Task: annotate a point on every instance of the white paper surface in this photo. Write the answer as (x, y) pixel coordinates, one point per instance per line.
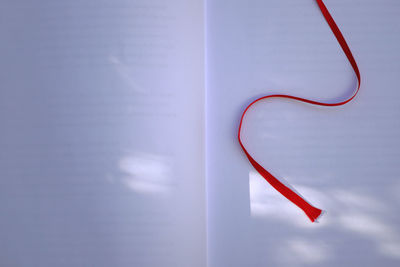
(102, 133)
(343, 160)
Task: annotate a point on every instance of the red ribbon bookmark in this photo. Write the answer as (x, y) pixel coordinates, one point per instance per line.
(312, 212)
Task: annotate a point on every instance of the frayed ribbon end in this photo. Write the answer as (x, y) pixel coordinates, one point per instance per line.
(315, 214)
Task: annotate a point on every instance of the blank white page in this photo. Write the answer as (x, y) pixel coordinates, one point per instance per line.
(102, 133)
(344, 160)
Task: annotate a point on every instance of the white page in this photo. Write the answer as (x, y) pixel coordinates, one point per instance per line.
(343, 160)
(102, 133)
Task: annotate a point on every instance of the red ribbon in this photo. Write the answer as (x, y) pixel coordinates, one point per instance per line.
(312, 212)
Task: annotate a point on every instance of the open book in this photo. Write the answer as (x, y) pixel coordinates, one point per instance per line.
(118, 143)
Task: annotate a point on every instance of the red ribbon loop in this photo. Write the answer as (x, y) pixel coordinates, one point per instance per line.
(312, 212)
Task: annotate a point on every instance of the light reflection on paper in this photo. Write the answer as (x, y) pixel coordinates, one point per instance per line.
(359, 214)
(390, 249)
(356, 200)
(126, 74)
(302, 251)
(265, 201)
(146, 173)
